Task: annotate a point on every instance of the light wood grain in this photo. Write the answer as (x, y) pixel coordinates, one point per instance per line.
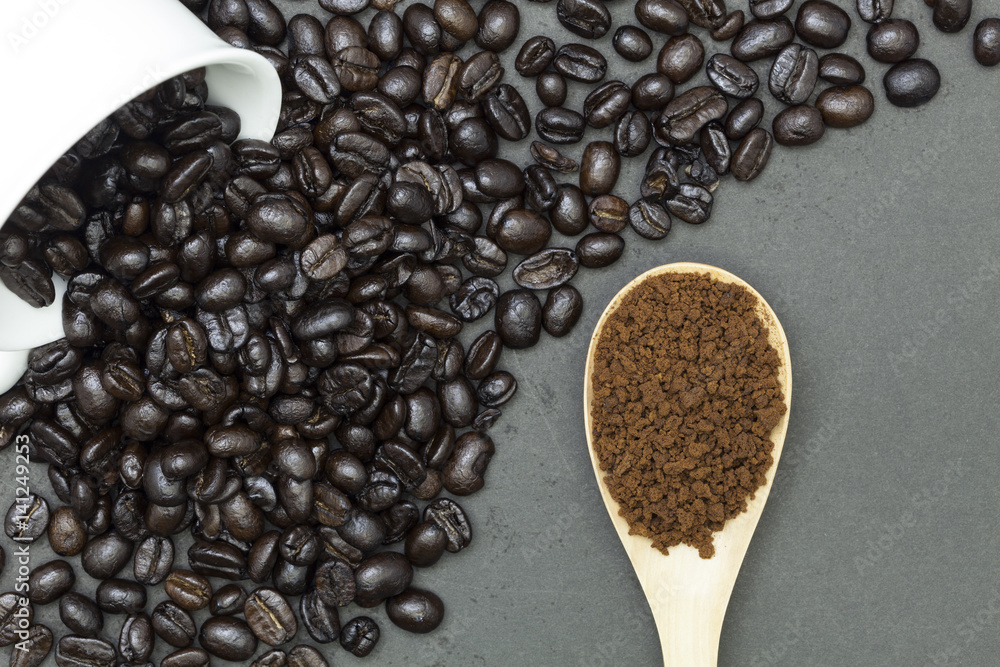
(687, 594)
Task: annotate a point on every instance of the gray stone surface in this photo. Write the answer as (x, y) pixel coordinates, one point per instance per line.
(877, 248)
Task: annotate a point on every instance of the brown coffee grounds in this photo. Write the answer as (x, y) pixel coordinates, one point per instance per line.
(686, 395)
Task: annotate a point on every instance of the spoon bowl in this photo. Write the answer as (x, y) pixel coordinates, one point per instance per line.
(687, 594)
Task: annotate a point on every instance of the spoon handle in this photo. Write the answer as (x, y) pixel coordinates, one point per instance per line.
(688, 639)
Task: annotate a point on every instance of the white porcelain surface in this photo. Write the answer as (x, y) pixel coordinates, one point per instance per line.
(67, 64)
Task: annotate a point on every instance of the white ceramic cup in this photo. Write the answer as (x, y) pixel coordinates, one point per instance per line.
(65, 65)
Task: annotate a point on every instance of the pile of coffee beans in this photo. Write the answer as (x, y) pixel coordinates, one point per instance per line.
(266, 343)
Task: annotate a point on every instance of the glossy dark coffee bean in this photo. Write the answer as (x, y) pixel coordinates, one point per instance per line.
(499, 23)
(50, 581)
(81, 614)
(874, 11)
(67, 534)
(381, 576)
(523, 231)
(649, 220)
(651, 92)
(798, 126)
(692, 204)
(479, 75)
(823, 24)
(632, 43)
(685, 115)
(752, 154)
(464, 471)
(769, 9)
(27, 518)
(587, 18)
(743, 118)
(228, 600)
(173, 624)
(546, 269)
(305, 655)
(518, 318)
(608, 213)
(599, 168)
(911, 83)
(14, 609)
(793, 74)
(153, 559)
(507, 113)
(321, 621)
(579, 62)
(217, 559)
(535, 56)
(79, 651)
(416, 610)
(951, 15)
(599, 249)
(845, 106)
(606, 103)
(457, 19)
(664, 16)
(121, 596)
(633, 133)
(892, 40)
(227, 638)
(106, 555)
(191, 591)
(135, 641)
(762, 38)
(841, 69)
(986, 42)
(270, 617)
(187, 657)
(562, 310)
(681, 58)
(34, 648)
(731, 76)
(360, 635)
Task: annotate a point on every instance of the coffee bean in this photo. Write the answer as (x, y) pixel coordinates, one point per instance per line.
(911, 83)
(823, 24)
(80, 614)
(121, 596)
(681, 58)
(416, 610)
(632, 43)
(321, 620)
(189, 590)
(579, 62)
(599, 249)
(228, 638)
(986, 42)
(228, 600)
(685, 115)
(664, 16)
(50, 581)
(793, 74)
(731, 76)
(841, 69)
(874, 11)
(798, 126)
(535, 55)
(360, 636)
(892, 40)
(269, 616)
(587, 18)
(599, 168)
(951, 15)
(845, 106)
(751, 156)
(76, 651)
(518, 318)
(187, 657)
(762, 38)
(499, 23)
(304, 655)
(34, 649)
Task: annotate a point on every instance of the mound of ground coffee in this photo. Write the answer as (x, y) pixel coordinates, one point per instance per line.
(686, 393)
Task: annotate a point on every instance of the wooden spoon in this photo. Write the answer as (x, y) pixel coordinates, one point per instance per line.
(687, 594)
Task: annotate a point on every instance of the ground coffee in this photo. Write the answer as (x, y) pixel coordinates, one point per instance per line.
(686, 393)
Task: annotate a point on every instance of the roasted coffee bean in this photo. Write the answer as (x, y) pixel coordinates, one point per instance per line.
(50, 581)
(608, 213)
(715, 147)
(633, 133)
(651, 92)
(507, 113)
(228, 638)
(121, 596)
(684, 116)
(153, 559)
(67, 535)
(457, 18)
(551, 89)
(450, 518)
(522, 231)
(356, 68)
(793, 74)
(479, 75)
(579, 62)
(841, 69)
(599, 249)
(892, 40)
(744, 117)
(691, 203)
(606, 103)
(187, 657)
(77, 651)
(562, 309)
(911, 83)
(751, 156)
(986, 42)
(762, 38)
(474, 298)
(81, 614)
(546, 269)
(217, 559)
(322, 621)
(269, 616)
(823, 24)
(535, 55)
(381, 576)
(499, 23)
(599, 168)
(845, 106)
(173, 624)
(189, 590)
(106, 555)
(769, 9)
(649, 220)
(587, 18)
(632, 43)
(135, 641)
(305, 655)
(798, 126)
(951, 15)
(729, 27)
(664, 16)
(32, 649)
(360, 636)
(228, 600)
(13, 609)
(27, 518)
(518, 318)
(416, 610)
(681, 58)
(874, 11)
(731, 76)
